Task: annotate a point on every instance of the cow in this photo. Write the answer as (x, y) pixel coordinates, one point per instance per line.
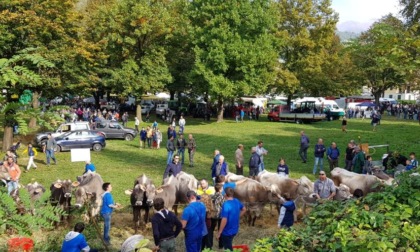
(167, 192)
(184, 182)
(342, 193)
(139, 199)
(89, 191)
(232, 177)
(302, 186)
(378, 172)
(35, 190)
(254, 196)
(61, 192)
(366, 183)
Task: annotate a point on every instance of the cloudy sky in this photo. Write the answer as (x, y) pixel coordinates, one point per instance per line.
(358, 15)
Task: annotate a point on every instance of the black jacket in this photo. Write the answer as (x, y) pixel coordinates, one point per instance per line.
(163, 228)
(254, 161)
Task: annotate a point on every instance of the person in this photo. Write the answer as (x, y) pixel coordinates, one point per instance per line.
(170, 147)
(349, 156)
(149, 136)
(194, 223)
(254, 163)
(89, 167)
(231, 212)
(239, 157)
(166, 227)
(333, 153)
(136, 123)
(282, 168)
(286, 218)
(143, 137)
(181, 124)
(204, 188)
(217, 199)
(413, 160)
(324, 187)
(155, 125)
(181, 144)
(75, 241)
(358, 160)
(319, 155)
(158, 138)
(107, 208)
(344, 124)
(171, 132)
(261, 152)
(173, 168)
(124, 119)
(49, 148)
(14, 172)
(221, 168)
(375, 121)
(304, 145)
(10, 154)
(31, 153)
(242, 114)
(191, 149)
(367, 168)
(408, 165)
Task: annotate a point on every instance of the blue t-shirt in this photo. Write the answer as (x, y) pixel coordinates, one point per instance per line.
(231, 210)
(107, 200)
(74, 245)
(195, 215)
(228, 185)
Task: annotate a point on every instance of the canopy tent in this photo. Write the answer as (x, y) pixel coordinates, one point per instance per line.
(366, 104)
(163, 95)
(151, 97)
(276, 102)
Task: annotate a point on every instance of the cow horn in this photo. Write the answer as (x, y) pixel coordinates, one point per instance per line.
(142, 187)
(128, 192)
(75, 183)
(159, 190)
(30, 184)
(57, 185)
(38, 190)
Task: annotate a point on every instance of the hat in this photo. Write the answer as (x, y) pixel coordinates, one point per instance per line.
(191, 193)
(357, 148)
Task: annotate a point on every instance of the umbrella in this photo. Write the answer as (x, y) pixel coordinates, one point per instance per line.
(276, 102)
(366, 104)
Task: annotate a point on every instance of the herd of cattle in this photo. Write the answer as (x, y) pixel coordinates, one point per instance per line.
(267, 188)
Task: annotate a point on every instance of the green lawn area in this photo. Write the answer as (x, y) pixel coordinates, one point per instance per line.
(121, 161)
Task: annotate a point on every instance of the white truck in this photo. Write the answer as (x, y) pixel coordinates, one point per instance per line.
(41, 138)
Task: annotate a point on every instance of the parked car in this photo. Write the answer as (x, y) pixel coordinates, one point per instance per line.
(160, 108)
(41, 138)
(146, 108)
(113, 129)
(80, 139)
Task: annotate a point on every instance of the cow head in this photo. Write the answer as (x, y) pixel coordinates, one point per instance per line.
(274, 194)
(138, 195)
(66, 186)
(84, 196)
(306, 186)
(35, 190)
(343, 192)
(150, 194)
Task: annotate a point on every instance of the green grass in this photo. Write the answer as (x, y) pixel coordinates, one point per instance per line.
(121, 161)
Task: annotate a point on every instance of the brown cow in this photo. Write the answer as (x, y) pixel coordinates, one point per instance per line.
(184, 182)
(167, 192)
(254, 196)
(366, 183)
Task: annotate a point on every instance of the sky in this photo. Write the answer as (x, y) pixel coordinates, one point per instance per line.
(358, 15)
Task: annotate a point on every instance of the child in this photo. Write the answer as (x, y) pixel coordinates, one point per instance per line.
(283, 169)
(286, 218)
(409, 166)
(31, 153)
(413, 160)
(344, 124)
(367, 168)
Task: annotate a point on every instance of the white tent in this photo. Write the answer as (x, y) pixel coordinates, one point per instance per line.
(163, 95)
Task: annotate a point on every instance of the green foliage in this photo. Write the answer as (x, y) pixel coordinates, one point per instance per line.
(31, 217)
(383, 221)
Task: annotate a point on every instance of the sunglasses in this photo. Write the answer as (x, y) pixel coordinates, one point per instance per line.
(322, 174)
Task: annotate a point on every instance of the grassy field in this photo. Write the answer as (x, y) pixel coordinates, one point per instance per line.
(121, 162)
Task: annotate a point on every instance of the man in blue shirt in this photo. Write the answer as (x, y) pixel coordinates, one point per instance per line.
(108, 206)
(231, 212)
(75, 241)
(89, 167)
(194, 223)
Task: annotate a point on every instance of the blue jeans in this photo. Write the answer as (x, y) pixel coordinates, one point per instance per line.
(12, 185)
(169, 159)
(261, 167)
(50, 154)
(107, 226)
(227, 241)
(181, 153)
(320, 161)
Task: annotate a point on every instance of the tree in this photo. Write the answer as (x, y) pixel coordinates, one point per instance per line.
(131, 34)
(411, 11)
(234, 46)
(308, 48)
(381, 57)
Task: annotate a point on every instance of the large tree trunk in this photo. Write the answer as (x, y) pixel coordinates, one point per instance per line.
(220, 110)
(35, 105)
(7, 138)
(138, 112)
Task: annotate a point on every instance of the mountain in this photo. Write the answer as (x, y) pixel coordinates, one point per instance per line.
(346, 35)
(354, 26)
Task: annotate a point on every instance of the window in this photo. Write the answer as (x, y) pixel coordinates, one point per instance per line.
(399, 97)
(390, 96)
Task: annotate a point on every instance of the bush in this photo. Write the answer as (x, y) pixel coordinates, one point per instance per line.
(383, 221)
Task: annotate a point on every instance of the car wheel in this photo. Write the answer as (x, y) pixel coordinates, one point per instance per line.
(128, 137)
(97, 147)
(57, 148)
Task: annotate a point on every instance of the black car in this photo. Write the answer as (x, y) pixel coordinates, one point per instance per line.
(113, 129)
(80, 139)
